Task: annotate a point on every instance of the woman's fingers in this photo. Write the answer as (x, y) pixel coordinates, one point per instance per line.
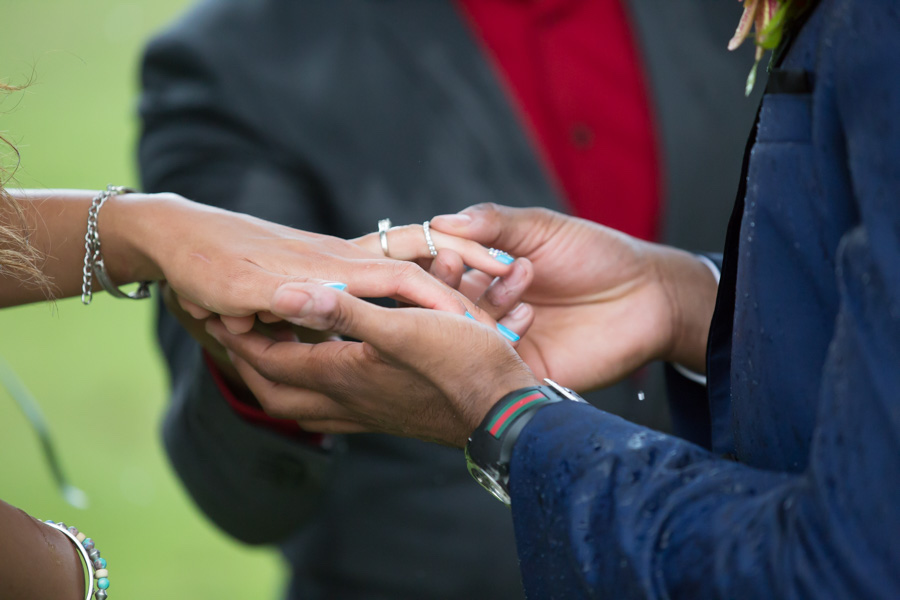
(238, 325)
(409, 243)
(267, 317)
(519, 319)
(448, 267)
(386, 329)
(502, 301)
(290, 299)
(474, 283)
(325, 309)
(366, 278)
(196, 311)
(403, 281)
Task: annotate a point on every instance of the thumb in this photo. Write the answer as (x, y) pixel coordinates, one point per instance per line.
(325, 308)
(515, 230)
(481, 223)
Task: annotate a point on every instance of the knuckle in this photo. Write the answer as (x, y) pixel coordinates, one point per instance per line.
(232, 286)
(339, 373)
(267, 365)
(339, 318)
(407, 270)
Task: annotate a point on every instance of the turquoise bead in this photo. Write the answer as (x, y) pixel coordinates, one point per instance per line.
(88, 544)
(103, 583)
(100, 563)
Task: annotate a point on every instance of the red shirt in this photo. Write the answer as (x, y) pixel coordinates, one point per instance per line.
(573, 73)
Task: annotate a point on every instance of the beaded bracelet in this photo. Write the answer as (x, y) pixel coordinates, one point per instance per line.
(96, 565)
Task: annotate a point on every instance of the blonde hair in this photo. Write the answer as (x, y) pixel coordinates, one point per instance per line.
(18, 258)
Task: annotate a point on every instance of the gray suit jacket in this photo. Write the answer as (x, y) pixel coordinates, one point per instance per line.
(327, 116)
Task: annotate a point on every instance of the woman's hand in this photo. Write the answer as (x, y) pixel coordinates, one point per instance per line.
(217, 261)
(604, 303)
(231, 264)
(420, 373)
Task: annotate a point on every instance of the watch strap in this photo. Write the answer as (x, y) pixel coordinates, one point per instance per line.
(490, 447)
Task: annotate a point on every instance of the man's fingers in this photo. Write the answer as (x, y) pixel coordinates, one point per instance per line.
(483, 223)
(334, 426)
(506, 292)
(275, 361)
(288, 402)
(275, 372)
(517, 230)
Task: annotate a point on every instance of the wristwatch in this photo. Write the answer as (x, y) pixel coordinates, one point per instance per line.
(490, 448)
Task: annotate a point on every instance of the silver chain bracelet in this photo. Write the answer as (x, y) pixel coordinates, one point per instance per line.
(93, 260)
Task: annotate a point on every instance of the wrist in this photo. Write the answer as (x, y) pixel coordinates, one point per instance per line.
(690, 288)
(133, 232)
(489, 399)
(490, 448)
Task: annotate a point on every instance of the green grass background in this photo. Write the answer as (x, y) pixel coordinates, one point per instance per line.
(96, 370)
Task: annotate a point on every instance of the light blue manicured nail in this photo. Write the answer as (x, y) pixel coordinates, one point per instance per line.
(468, 314)
(507, 333)
(337, 285)
(502, 256)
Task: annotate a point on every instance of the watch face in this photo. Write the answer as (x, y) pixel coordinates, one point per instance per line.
(565, 391)
(489, 483)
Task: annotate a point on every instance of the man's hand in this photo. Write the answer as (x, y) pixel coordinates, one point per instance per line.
(420, 373)
(604, 303)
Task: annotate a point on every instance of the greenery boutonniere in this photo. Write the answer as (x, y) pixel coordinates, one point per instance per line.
(768, 19)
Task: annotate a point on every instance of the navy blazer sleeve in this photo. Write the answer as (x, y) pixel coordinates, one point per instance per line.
(607, 509)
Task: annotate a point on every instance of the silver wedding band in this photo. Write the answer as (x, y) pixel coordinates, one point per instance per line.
(384, 225)
(426, 226)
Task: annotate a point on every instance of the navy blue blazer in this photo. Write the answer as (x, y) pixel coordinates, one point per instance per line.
(804, 381)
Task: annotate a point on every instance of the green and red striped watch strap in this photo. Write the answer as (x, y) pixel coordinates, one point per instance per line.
(490, 448)
(513, 408)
